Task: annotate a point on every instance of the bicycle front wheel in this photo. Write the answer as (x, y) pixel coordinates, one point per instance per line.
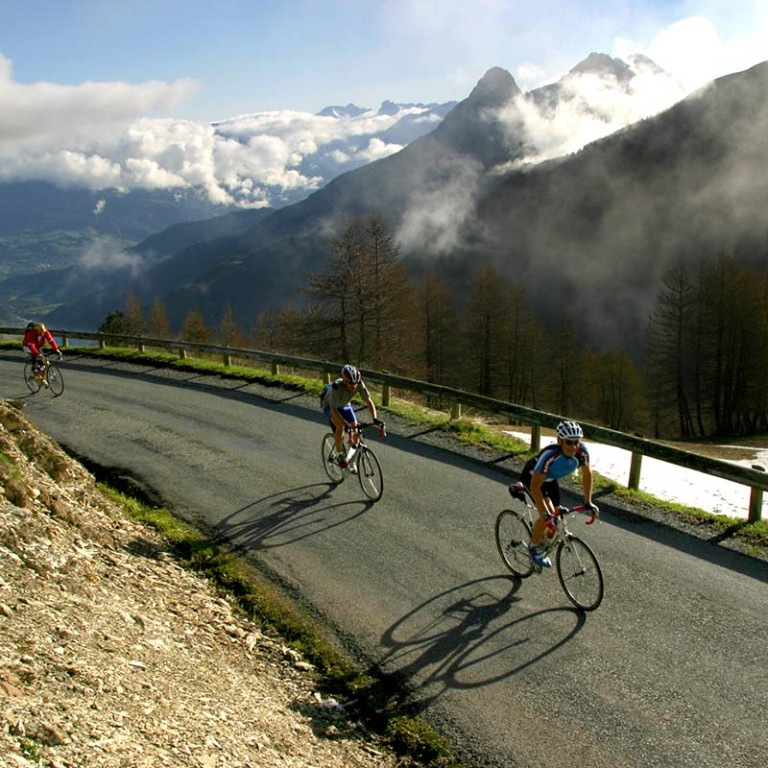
(369, 472)
(55, 380)
(513, 534)
(579, 573)
(31, 378)
(328, 455)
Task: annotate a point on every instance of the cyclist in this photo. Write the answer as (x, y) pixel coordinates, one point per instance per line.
(541, 473)
(335, 401)
(36, 336)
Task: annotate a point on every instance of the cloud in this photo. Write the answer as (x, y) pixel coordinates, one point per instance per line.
(95, 135)
(101, 256)
(695, 53)
(590, 107)
(435, 215)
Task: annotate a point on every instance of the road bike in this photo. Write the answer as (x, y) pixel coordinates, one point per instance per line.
(361, 460)
(44, 375)
(577, 567)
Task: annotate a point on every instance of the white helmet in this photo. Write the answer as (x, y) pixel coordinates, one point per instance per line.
(569, 429)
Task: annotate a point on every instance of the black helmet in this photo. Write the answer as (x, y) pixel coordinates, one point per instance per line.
(351, 374)
(30, 326)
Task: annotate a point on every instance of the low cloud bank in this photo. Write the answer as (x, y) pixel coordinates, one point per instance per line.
(95, 135)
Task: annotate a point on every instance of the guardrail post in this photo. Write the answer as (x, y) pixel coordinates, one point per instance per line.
(386, 395)
(756, 500)
(64, 342)
(535, 437)
(141, 346)
(275, 369)
(634, 471)
(182, 354)
(102, 344)
(227, 359)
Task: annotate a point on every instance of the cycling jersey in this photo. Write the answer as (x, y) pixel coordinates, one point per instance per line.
(34, 341)
(553, 463)
(337, 394)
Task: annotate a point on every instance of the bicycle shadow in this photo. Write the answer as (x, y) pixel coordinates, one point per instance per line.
(463, 638)
(288, 517)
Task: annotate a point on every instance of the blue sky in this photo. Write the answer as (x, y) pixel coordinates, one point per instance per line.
(121, 93)
(232, 57)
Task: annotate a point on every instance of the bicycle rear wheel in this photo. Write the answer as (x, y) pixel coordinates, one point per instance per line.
(579, 573)
(369, 472)
(31, 379)
(513, 534)
(328, 455)
(55, 380)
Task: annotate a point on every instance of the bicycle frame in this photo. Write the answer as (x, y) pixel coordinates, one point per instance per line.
(521, 492)
(358, 430)
(360, 460)
(577, 567)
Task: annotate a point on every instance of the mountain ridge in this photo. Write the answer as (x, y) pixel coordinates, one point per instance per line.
(551, 223)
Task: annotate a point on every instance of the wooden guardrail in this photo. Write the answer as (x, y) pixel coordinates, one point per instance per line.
(755, 478)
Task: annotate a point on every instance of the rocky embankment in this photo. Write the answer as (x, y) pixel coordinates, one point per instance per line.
(112, 655)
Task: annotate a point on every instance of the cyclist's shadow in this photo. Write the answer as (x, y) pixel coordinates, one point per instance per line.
(463, 638)
(288, 517)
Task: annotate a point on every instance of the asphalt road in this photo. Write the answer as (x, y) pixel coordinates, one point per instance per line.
(670, 670)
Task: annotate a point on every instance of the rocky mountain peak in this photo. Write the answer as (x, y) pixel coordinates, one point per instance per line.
(495, 88)
(602, 64)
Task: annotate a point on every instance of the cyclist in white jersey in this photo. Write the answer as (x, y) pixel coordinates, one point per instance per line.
(335, 401)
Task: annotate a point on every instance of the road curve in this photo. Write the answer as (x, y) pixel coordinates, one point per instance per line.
(670, 671)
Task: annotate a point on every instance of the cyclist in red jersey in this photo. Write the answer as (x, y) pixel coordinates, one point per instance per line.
(36, 337)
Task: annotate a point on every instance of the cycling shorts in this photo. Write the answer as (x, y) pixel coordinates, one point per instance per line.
(346, 411)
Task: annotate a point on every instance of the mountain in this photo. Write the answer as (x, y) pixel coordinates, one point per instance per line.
(267, 264)
(338, 139)
(63, 231)
(40, 207)
(593, 231)
(601, 228)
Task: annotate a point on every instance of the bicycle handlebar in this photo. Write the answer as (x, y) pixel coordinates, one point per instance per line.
(361, 425)
(583, 508)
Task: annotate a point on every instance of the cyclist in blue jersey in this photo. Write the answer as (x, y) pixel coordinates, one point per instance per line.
(335, 401)
(541, 473)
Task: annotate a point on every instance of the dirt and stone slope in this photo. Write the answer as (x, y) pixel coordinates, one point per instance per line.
(113, 655)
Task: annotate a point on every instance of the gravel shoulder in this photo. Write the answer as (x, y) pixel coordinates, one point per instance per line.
(114, 656)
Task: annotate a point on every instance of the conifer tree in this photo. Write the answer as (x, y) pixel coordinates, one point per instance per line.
(194, 329)
(134, 316)
(159, 326)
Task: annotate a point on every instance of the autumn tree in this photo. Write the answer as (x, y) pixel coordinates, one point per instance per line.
(231, 333)
(437, 330)
(194, 329)
(159, 326)
(565, 367)
(114, 323)
(135, 322)
(616, 390)
(671, 362)
(484, 318)
(524, 352)
(362, 302)
(734, 339)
